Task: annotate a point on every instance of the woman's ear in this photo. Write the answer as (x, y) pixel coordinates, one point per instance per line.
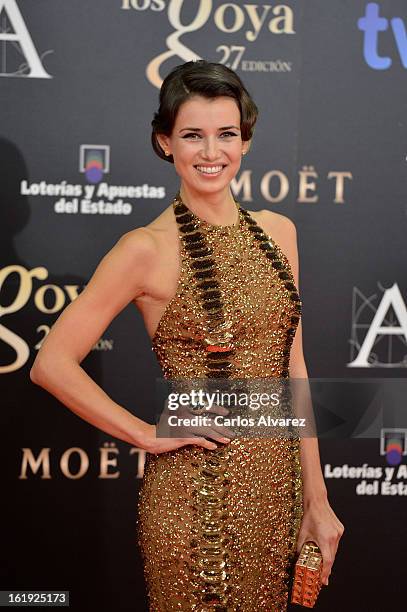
(164, 143)
(246, 144)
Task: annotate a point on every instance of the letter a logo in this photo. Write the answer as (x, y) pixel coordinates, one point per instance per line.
(384, 326)
(14, 31)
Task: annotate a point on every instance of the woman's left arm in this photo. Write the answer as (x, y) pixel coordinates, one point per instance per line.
(319, 522)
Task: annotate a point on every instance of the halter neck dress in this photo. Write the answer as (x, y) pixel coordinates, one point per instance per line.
(217, 529)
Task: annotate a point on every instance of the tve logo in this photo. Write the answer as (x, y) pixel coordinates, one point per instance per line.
(371, 24)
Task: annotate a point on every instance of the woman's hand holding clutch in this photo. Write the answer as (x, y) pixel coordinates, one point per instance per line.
(321, 525)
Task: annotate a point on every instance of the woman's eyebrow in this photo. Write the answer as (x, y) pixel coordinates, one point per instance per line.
(192, 129)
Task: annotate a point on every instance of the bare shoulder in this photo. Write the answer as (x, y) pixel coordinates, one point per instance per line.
(158, 230)
(283, 232)
(156, 247)
(147, 240)
(137, 242)
(130, 259)
(280, 227)
(277, 223)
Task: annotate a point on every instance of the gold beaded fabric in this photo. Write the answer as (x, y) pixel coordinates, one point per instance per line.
(217, 529)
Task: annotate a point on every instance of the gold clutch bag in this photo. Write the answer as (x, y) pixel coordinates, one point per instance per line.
(307, 575)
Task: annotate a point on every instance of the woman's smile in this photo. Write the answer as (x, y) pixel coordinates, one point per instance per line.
(210, 171)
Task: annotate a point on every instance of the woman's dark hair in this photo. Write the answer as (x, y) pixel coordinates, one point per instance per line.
(207, 79)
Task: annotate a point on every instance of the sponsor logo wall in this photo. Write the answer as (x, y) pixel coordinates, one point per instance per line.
(79, 85)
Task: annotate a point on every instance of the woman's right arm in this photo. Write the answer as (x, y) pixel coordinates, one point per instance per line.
(118, 280)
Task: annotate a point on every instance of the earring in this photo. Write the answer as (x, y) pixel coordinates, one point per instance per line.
(167, 153)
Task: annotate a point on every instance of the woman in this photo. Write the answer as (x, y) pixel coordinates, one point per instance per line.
(220, 519)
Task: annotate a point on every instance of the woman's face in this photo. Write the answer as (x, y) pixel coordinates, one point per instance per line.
(206, 143)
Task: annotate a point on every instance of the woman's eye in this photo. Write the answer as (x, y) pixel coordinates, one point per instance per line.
(191, 134)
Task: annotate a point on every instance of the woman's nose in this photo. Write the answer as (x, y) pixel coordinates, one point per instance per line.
(211, 148)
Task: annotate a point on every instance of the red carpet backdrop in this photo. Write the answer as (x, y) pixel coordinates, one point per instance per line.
(79, 84)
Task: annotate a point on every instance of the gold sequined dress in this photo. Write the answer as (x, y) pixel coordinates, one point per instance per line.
(217, 529)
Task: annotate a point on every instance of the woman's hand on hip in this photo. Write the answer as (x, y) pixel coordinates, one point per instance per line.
(195, 434)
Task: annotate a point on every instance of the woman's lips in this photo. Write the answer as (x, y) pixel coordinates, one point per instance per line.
(211, 172)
